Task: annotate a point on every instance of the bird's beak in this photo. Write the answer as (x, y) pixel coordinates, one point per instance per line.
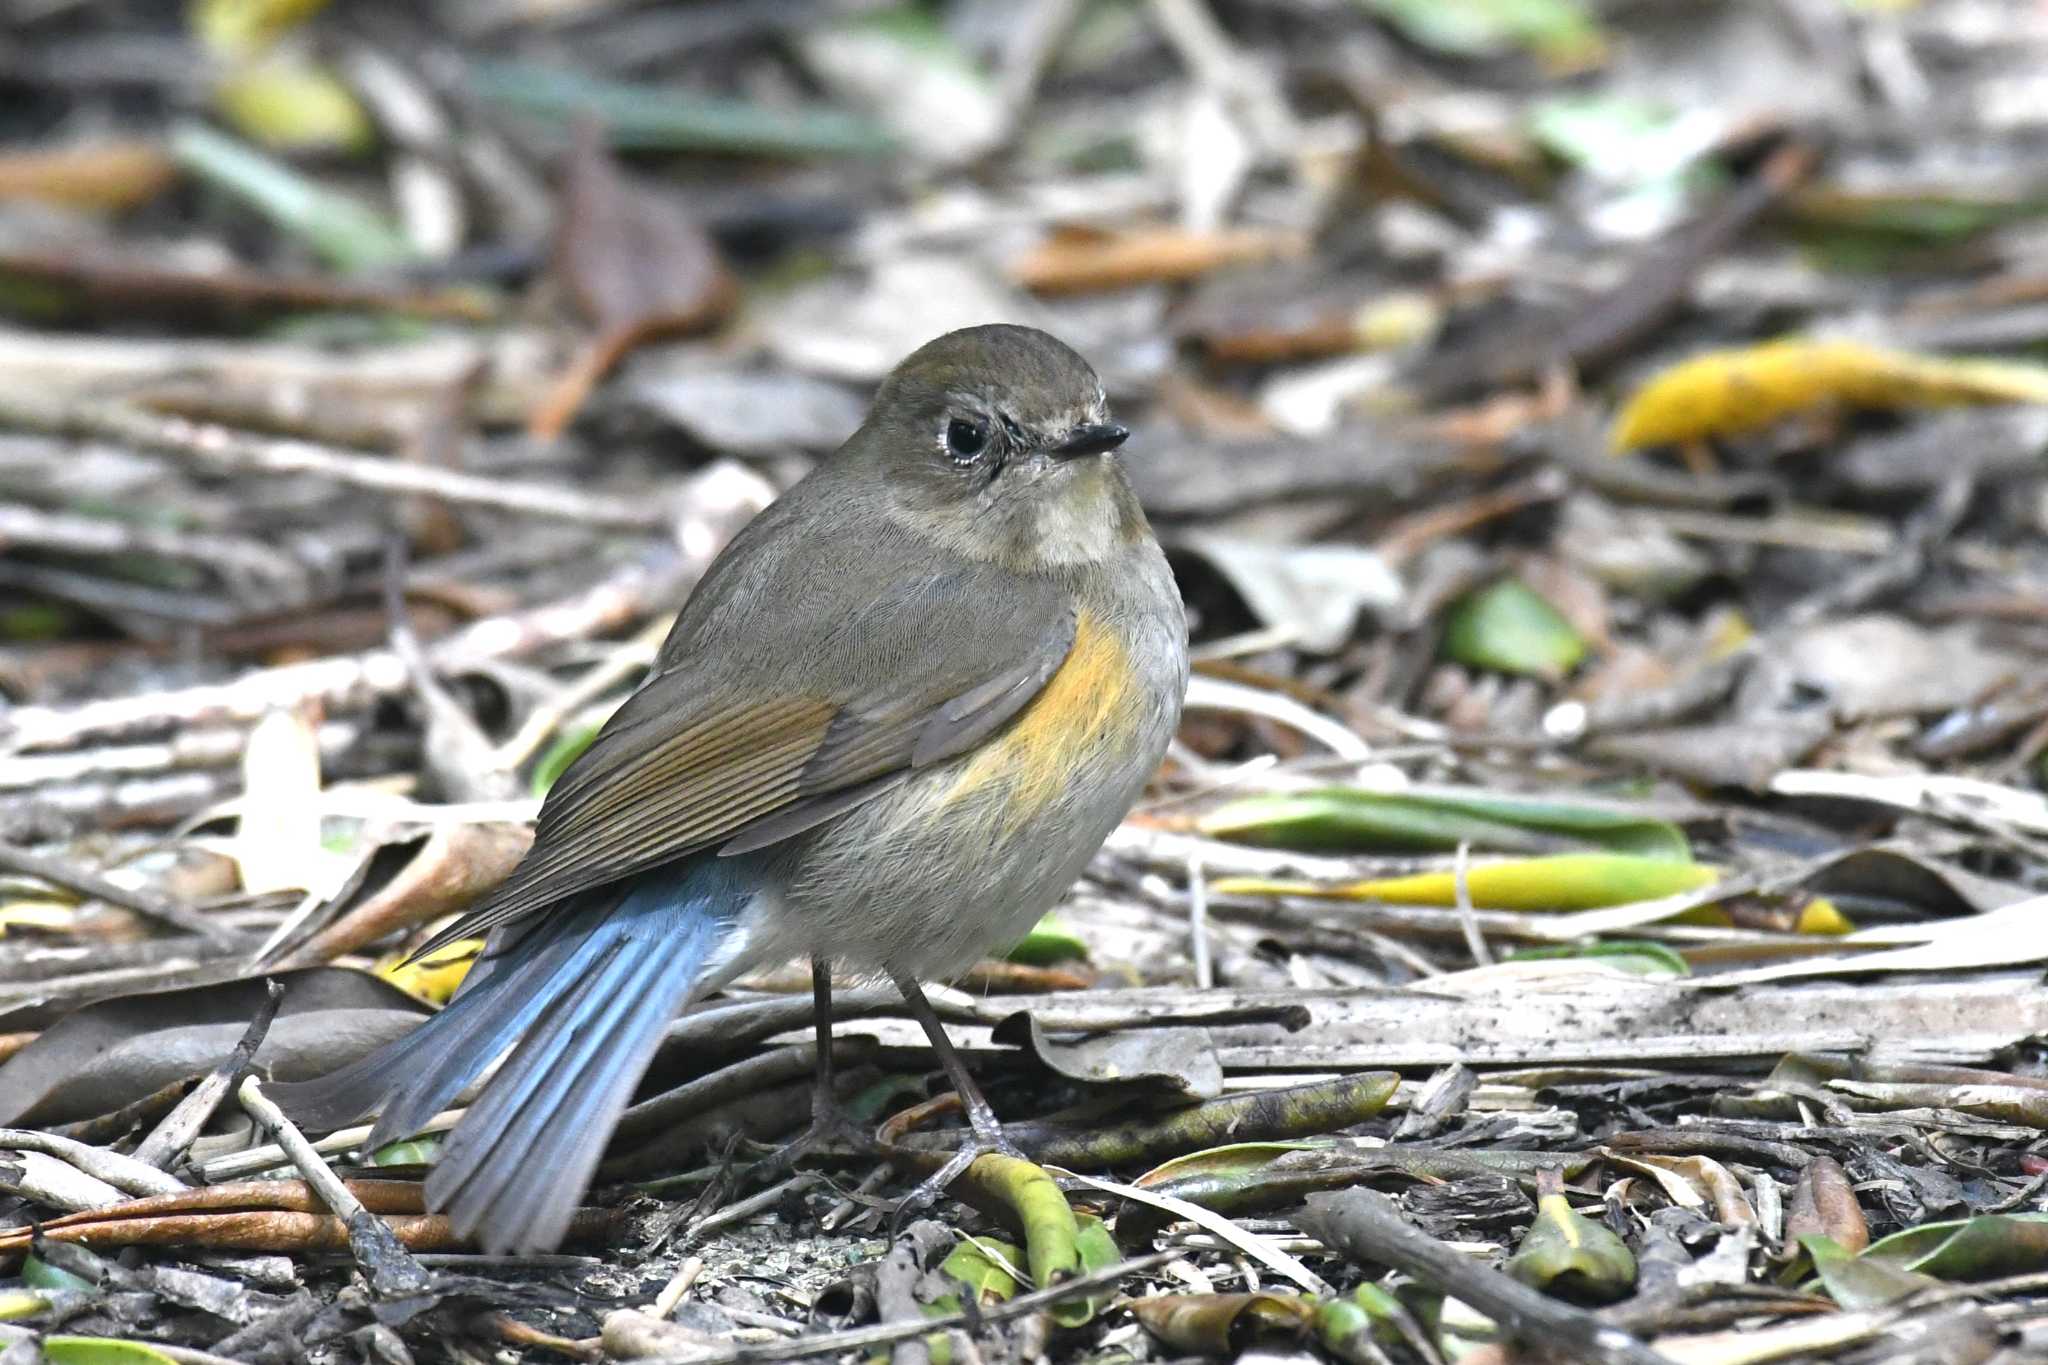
(1093, 438)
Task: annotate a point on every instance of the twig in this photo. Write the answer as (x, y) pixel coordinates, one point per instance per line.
(1251, 1244)
(1468, 915)
(259, 576)
(92, 886)
(884, 1334)
(352, 681)
(169, 1139)
(1366, 1227)
(678, 1285)
(1198, 924)
(219, 449)
(389, 1267)
(124, 1173)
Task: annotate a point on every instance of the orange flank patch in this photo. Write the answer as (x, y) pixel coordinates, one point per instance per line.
(1033, 759)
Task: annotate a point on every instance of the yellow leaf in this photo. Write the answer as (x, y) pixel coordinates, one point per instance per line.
(435, 978)
(1724, 392)
(1564, 881)
(1820, 916)
(35, 914)
(291, 106)
(238, 27)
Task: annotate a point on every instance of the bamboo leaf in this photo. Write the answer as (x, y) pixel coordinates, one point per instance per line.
(1349, 819)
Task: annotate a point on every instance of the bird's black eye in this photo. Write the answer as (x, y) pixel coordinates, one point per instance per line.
(966, 438)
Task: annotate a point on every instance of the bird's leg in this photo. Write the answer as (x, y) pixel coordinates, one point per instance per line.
(988, 1130)
(831, 1125)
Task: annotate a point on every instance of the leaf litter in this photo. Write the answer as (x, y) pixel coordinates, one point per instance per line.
(1592, 904)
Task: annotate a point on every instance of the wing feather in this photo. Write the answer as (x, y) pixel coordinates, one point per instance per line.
(689, 763)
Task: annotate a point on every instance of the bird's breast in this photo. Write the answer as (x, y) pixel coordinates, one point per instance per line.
(1086, 714)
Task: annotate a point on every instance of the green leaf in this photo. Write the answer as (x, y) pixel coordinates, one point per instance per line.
(343, 231)
(1572, 1256)
(101, 1351)
(1982, 1248)
(1049, 942)
(1563, 32)
(1856, 1282)
(423, 1151)
(567, 748)
(1352, 1327)
(659, 118)
(38, 1273)
(1640, 956)
(1506, 626)
(1349, 819)
(1098, 1251)
(984, 1265)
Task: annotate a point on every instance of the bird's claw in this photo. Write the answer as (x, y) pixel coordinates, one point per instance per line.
(832, 1132)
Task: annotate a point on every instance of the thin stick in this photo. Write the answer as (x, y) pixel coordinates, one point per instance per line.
(169, 1139)
(92, 886)
(389, 1267)
(1366, 1228)
(214, 448)
(1461, 881)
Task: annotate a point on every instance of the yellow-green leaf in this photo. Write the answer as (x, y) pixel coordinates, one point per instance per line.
(1224, 1324)
(983, 1264)
(1049, 941)
(1348, 819)
(1507, 626)
(101, 1351)
(1564, 881)
(290, 105)
(1571, 1256)
(1986, 1247)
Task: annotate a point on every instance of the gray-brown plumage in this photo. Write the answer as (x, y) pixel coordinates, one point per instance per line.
(890, 727)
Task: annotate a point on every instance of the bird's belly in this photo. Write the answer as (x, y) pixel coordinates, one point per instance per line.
(962, 859)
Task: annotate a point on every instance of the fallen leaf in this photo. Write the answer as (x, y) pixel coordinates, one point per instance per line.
(1565, 881)
(1570, 1256)
(1727, 392)
(1315, 592)
(1508, 627)
(633, 263)
(95, 175)
(113, 1052)
(1085, 260)
(1351, 819)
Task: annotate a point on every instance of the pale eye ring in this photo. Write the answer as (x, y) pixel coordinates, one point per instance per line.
(966, 438)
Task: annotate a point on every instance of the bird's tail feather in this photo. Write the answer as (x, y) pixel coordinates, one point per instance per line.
(587, 994)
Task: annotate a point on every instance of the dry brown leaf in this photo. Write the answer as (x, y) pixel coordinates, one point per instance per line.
(1078, 260)
(107, 175)
(633, 263)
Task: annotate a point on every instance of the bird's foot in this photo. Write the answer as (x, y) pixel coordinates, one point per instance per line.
(833, 1132)
(986, 1139)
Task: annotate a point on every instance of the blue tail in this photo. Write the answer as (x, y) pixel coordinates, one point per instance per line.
(586, 995)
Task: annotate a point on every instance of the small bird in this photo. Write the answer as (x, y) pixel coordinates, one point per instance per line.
(896, 718)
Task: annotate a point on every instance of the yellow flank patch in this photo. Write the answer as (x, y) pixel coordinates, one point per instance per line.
(1032, 760)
